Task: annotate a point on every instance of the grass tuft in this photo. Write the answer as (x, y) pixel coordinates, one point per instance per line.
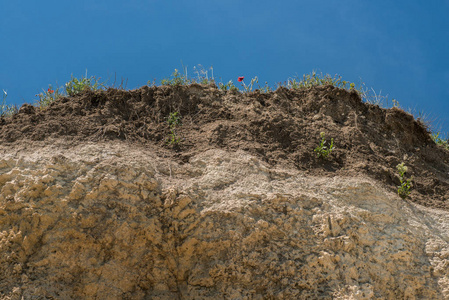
(7, 110)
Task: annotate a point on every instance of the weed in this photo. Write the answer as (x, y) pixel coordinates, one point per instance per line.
(284, 84)
(314, 79)
(249, 87)
(228, 86)
(7, 109)
(122, 85)
(71, 88)
(173, 138)
(439, 141)
(182, 79)
(76, 86)
(177, 79)
(174, 120)
(202, 74)
(422, 117)
(266, 88)
(322, 150)
(48, 96)
(370, 96)
(396, 103)
(406, 184)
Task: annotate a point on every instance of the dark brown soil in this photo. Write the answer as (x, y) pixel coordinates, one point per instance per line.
(282, 128)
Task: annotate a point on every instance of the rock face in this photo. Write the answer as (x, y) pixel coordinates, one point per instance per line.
(108, 221)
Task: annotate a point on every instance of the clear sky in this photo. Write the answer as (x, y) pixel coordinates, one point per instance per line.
(399, 48)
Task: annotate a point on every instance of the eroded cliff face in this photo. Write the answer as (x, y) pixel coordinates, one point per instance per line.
(107, 221)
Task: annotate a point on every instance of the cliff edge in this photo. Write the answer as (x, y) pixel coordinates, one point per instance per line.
(95, 201)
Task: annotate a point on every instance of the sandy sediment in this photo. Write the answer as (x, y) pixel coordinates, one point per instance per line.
(105, 220)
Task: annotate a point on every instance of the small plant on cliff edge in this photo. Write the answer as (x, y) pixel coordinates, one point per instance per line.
(315, 79)
(177, 79)
(248, 88)
(322, 150)
(76, 86)
(7, 109)
(396, 103)
(202, 74)
(48, 96)
(439, 141)
(266, 88)
(406, 183)
(228, 86)
(173, 121)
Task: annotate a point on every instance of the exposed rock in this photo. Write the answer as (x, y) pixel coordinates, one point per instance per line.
(108, 221)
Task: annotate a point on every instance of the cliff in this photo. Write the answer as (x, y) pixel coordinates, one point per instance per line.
(96, 203)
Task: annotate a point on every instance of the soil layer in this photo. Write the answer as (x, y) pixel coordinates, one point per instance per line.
(282, 128)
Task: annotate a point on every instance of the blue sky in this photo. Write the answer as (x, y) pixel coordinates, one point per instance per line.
(399, 48)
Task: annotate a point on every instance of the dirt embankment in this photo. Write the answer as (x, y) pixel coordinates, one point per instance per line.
(282, 128)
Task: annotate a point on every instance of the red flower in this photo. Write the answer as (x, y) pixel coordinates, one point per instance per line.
(240, 79)
(50, 91)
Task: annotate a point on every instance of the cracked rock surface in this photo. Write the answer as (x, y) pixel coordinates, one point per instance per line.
(109, 221)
